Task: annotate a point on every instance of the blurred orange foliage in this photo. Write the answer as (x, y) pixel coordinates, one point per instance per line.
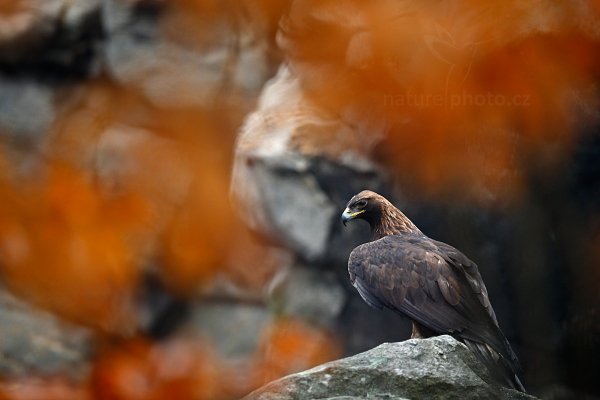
(192, 370)
(43, 389)
(140, 370)
(468, 91)
(201, 233)
(64, 247)
(118, 186)
(121, 184)
(8, 7)
(290, 345)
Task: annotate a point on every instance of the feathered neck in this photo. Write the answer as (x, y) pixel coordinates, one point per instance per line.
(391, 221)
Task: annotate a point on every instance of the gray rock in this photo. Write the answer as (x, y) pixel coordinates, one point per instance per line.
(176, 66)
(297, 201)
(26, 108)
(435, 368)
(234, 328)
(307, 227)
(313, 295)
(295, 168)
(36, 342)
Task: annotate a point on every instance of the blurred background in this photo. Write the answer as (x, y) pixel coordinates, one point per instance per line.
(172, 175)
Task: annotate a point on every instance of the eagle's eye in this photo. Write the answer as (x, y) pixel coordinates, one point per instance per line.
(360, 204)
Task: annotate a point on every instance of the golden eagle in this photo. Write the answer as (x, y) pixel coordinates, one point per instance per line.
(431, 282)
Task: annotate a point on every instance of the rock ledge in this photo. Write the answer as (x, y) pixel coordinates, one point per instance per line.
(435, 368)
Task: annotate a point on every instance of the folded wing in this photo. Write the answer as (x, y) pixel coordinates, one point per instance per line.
(433, 284)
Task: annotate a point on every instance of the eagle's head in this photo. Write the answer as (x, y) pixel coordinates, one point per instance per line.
(382, 216)
(366, 205)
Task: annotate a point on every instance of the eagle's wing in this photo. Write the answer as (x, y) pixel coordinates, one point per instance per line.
(429, 283)
(458, 259)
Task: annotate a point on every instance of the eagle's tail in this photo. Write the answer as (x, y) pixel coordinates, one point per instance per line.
(501, 369)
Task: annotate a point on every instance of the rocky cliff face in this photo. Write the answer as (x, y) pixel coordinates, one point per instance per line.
(435, 368)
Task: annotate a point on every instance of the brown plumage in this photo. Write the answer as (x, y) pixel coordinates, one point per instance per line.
(430, 282)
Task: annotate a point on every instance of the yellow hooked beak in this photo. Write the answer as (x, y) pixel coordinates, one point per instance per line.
(348, 215)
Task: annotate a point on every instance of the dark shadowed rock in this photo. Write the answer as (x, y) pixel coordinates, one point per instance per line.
(436, 368)
(26, 24)
(50, 39)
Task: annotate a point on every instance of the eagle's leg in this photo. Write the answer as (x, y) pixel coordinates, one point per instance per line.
(420, 332)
